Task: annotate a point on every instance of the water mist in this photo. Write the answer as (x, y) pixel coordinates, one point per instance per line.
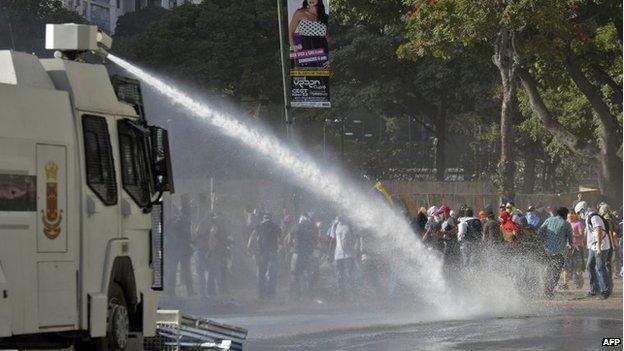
(418, 268)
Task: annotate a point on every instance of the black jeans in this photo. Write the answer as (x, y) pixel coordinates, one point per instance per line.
(267, 274)
(553, 270)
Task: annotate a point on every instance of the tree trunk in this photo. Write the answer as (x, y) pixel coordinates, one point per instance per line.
(504, 59)
(441, 133)
(530, 165)
(610, 179)
(609, 164)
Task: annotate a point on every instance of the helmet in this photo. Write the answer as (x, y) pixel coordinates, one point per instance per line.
(581, 208)
(453, 214)
(604, 210)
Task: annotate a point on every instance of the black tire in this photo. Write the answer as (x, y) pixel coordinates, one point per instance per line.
(112, 341)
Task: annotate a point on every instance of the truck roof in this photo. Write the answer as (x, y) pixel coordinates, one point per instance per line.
(88, 85)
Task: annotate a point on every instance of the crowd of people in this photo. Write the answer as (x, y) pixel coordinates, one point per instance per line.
(289, 252)
(564, 241)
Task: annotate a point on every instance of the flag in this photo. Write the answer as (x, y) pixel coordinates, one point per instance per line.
(379, 191)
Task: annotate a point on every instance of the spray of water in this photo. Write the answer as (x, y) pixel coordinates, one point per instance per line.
(419, 268)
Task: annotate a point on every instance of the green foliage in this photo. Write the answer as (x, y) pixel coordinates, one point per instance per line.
(228, 47)
(22, 23)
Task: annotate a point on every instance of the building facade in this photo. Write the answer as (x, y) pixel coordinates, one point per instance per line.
(104, 13)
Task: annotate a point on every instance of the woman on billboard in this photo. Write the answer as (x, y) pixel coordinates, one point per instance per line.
(307, 34)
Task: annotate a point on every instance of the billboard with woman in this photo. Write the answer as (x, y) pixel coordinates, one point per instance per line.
(309, 54)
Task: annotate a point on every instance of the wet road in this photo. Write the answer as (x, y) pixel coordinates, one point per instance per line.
(568, 324)
(522, 333)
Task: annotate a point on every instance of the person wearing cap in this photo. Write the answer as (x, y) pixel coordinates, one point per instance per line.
(266, 237)
(599, 247)
(556, 236)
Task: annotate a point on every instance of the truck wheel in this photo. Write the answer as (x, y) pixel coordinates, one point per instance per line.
(117, 324)
(118, 321)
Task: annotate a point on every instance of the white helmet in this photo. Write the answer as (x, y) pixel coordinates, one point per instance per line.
(581, 208)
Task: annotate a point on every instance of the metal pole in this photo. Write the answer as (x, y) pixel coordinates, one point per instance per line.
(283, 62)
(324, 140)
(342, 132)
(11, 35)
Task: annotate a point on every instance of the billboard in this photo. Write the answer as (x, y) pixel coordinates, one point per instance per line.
(309, 54)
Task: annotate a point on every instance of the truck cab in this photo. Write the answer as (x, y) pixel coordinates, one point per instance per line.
(81, 177)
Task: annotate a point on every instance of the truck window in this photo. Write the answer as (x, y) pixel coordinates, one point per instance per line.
(100, 167)
(135, 170)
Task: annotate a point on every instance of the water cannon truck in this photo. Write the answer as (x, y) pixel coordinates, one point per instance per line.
(82, 174)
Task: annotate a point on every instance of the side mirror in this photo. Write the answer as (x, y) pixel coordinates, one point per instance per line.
(161, 160)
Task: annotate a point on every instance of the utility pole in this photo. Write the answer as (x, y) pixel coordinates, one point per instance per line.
(284, 69)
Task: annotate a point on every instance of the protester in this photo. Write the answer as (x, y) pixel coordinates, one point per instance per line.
(449, 239)
(605, 212)
(575, 259)
(579, 198)
(508, 227)
(519, 219)
(492, 234)
(556, 234)
(469, 232)
(482, 216)
(433, 228)
(344, 250)
(419, 222)
(599, 247)
(202, 247)
(217, 255)
(181, 249)
(303, 266)
(532, 218)
(265, 237)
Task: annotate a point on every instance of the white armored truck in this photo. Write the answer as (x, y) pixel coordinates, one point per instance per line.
(81, 177)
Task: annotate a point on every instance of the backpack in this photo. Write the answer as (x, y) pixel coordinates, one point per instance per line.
(473, 230)
(606, 228)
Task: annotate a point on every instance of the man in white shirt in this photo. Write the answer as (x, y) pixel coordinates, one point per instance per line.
(599, 249)
(469, 233)
(345, 247)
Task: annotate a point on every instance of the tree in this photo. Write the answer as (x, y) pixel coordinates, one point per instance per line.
(524, 36)
(581, 42)
(225, 47)
(22, 23)
(130, 25)
(369, 78)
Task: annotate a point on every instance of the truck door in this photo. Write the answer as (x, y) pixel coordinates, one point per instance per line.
(100, 200)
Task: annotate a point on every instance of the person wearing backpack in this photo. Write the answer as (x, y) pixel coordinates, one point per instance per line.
(469, 234)
(599, 247)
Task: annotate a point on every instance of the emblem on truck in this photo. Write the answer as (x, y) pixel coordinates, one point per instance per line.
(51, 216)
